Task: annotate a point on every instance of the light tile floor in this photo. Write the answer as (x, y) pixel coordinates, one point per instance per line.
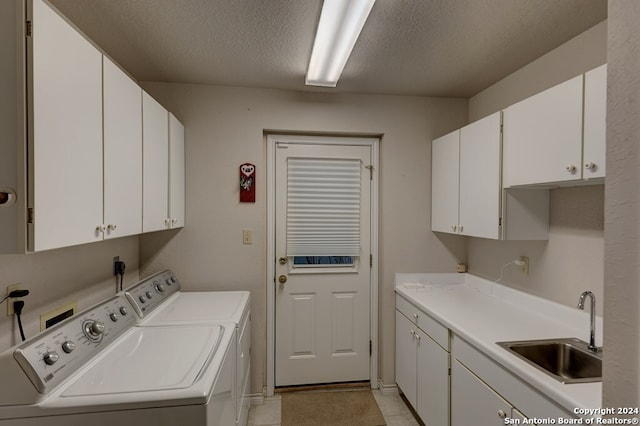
(393, 408)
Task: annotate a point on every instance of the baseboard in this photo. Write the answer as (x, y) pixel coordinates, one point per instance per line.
(256, 399)
(387, 389)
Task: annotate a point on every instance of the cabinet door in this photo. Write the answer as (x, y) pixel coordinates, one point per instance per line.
(542, 140)
(595, 126)
(473, 402)
(445, 179)
(65, 137)
(480, 178)
(433, 382)
(406, 358)
(155, 165)
(122, 153)
(176, 172)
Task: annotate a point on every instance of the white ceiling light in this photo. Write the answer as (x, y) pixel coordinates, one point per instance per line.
(340, 24)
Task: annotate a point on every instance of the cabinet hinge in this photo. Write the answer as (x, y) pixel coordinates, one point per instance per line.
(370, 168)
(449, 371)
(30, 215)
(29, 28)
(499, 221)
(370, 348)
(370, 261)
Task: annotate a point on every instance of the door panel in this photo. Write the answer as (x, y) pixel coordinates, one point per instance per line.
(323, 307)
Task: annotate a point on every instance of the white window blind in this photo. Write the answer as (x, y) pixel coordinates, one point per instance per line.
(323, 207)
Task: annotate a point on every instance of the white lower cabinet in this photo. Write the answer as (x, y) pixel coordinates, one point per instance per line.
(484, 393)
(422, 364)
(473, 402)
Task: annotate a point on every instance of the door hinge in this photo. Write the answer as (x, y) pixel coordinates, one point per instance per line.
(30, 215)
(370, 168)
(370, 348)
(29, 28)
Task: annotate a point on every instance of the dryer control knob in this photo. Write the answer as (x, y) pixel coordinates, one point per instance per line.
(148, 294)
(159, 288)
(68, 346)
(114, 317)
(95, 328)
(123, 310)
(51, 358)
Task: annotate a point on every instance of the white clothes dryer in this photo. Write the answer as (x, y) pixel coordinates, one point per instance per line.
(159, 301)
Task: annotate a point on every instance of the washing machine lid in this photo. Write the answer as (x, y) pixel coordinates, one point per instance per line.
(200, 307)
(149, 360)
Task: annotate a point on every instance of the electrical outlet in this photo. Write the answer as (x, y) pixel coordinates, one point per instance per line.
(116, 259)
(247, 236)
(10, 301)
(524, 268)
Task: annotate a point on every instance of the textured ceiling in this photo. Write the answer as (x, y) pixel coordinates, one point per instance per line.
(411, 47)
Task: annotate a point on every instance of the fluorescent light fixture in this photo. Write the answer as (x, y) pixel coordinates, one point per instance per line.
(340, 24)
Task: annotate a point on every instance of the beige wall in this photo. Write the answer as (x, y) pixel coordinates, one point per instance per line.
(81, 273)
(621, 387)
(572, 260)
(224, 128)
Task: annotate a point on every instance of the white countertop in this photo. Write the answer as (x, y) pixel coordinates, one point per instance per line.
(483, 313)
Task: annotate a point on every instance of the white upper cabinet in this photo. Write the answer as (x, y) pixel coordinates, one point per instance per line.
(65, 134)
(543, 136)
(467, 196)
(445, 182)
(595, 126)
(122, 153)
(155, 181)
(176, 173)
(480, 178)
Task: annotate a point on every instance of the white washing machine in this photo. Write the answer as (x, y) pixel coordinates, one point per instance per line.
(159, 301)
(96, 368)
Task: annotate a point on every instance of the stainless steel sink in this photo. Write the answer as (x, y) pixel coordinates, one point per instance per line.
(566, 360)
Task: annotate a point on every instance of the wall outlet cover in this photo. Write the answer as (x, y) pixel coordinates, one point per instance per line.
(9, 302)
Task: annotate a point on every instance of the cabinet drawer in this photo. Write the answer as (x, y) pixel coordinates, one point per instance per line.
(435, 330)
(407, 309)
(528, 400)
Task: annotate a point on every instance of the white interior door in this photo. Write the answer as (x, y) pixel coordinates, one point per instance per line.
(322, 302)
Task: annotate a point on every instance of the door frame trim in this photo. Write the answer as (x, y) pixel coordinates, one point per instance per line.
(373, 141)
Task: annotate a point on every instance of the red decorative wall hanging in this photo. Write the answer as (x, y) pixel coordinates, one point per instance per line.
(247, 183)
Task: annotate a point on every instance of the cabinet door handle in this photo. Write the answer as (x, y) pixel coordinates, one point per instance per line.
(417, 337)
(502, 414)
(570, 168)
(412, 332)
(415, 316)
(460, 228)
(101, 228)
(590, 165)
(453, 228)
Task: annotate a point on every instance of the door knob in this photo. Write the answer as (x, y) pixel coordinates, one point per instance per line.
(282, 279)
(282, 260)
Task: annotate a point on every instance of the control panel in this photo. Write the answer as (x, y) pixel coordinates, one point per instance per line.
(149, 293)
(54, 355)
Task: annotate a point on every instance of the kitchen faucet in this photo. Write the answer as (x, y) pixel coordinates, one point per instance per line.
(592, 336)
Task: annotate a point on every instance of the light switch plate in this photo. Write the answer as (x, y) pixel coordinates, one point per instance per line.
(247, 236)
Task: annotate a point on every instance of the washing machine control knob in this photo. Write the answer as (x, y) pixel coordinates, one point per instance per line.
(51, 358)
(123, 310)
(95, 328)
(68, 346)
(114, 317)
(148, 294)
(159, 288)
